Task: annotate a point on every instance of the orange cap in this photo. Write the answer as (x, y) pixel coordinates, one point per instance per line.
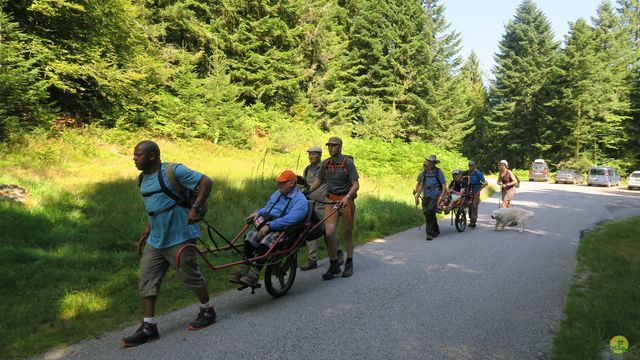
(286, 176)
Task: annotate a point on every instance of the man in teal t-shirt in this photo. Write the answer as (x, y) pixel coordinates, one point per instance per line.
(171, 224)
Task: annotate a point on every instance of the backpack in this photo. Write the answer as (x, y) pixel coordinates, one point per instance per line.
(183, 197)
(517, 179)
(424, 177)
(342, 164)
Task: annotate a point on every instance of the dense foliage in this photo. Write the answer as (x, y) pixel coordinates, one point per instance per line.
(234, 71)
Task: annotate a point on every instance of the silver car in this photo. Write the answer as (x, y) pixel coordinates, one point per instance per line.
(569, 176)
(633, 181)
(539, 170)
(603, 175)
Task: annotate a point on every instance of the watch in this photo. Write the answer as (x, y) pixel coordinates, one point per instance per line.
(197, 207)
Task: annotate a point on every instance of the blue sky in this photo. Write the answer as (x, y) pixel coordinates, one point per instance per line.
(481, 23)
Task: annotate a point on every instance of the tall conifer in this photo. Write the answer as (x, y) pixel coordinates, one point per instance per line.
(526, 62)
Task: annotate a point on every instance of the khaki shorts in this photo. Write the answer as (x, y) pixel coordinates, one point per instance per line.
(155, 263)
(347, 213)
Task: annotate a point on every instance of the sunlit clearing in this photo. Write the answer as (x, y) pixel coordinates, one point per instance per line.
(79, 302)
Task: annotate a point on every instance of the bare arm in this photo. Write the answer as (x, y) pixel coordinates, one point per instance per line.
(315, 184)
(204, 186)
(355, 185)
(418, 191)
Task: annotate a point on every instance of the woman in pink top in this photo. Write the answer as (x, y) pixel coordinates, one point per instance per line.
(507, 182)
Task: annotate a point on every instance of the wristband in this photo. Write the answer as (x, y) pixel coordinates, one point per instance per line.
(348, 196)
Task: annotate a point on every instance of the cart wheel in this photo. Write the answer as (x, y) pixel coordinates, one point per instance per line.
(461, 220)
(279, 277)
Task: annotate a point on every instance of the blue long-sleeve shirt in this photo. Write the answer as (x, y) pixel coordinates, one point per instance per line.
(476, 179)
(288, 209)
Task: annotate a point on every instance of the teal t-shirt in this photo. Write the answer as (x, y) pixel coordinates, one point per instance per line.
(169, 228)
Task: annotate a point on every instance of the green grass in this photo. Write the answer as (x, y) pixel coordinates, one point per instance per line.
(603, 299)
(68, 256)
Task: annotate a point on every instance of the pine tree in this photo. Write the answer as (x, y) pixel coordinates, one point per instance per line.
(580, 95)
(614, 54)
(23, 91)
(476, 144)
(260, 41)
(526, 62)
(630, 15)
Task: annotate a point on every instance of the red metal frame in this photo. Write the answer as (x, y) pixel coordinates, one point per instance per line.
(269, 254)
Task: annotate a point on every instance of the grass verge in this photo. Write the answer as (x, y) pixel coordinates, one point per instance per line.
(603, 299)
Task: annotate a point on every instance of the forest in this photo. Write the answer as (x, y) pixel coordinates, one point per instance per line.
(231, 71)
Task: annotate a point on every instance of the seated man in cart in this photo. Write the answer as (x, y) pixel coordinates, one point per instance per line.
(287, 206)
(455, 190)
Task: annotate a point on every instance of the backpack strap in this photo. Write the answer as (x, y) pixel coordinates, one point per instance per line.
(171, 175)
(333, 166)
(175, 183)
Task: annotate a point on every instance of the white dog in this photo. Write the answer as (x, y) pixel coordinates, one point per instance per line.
(511, 216)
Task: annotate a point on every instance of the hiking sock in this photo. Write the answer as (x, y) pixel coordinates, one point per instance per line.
(150, 320)
(206, 305)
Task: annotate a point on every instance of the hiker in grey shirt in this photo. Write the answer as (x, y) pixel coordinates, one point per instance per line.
(320, 198)
(431, 184)
(341, 176)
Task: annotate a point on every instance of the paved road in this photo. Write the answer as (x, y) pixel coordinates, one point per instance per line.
(474, 295)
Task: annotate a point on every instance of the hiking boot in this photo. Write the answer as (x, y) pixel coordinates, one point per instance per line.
(340, 257)
(348, 269)
(333, 270)
(251, 277)
(472, 225)
(429, 237)
(146, 332)
(205, 318)
(310, 265)
(242, 271)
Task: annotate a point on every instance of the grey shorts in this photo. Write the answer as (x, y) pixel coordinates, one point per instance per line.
(155, 263)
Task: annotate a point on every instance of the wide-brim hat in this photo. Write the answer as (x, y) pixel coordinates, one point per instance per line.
(334, 140)
(504, 162)
(315, 149)
(472, 163)
(456, 172)
(432, 158)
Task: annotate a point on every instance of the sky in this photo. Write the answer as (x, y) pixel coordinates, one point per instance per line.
(481, 24)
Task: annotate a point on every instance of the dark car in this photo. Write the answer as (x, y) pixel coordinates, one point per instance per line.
(569, 176)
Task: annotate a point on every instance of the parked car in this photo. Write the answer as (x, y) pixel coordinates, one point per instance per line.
(539, 170)
(633, 181)
(569, 176)
(603, 175)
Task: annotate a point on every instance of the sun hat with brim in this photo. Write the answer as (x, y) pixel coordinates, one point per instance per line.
(334, 140)
(456, 172)
(432, 158)
(315, 149)
(472, 163)
(286, 175)
(504, 162)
